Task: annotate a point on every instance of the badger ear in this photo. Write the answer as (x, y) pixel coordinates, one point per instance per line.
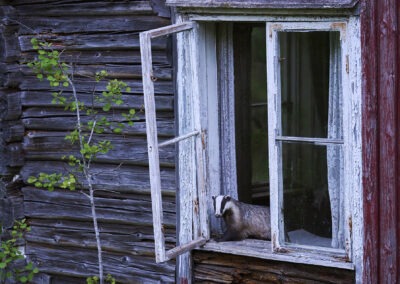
(213, 197)
(228, 197)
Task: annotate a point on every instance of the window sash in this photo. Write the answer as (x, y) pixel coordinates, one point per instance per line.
(275, 127)
(200, 218)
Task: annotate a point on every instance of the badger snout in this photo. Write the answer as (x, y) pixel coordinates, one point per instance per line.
(218, 215)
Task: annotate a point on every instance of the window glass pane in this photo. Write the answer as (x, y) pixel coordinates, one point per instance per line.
(259, 117)
(305, 78)
(312, 188)
(251, 121)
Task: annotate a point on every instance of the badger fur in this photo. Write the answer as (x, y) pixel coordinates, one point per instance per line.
(242, 220)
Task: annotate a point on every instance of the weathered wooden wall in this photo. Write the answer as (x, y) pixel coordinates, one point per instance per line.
(380, 22)
(226, 268)
(94, 35)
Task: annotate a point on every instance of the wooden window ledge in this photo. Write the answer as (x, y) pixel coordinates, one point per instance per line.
(262, 249)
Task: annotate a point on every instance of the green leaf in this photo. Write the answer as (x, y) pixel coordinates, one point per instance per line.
(3, 265)
(32, 179)
(117, 130)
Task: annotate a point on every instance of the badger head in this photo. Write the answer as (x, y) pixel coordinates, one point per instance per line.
(221, 204)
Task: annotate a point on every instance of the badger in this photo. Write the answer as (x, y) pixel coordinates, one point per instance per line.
(242, 220)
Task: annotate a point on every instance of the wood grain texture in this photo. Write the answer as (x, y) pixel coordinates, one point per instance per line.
(92, 35)
(380, 55)
(225, 268)
(306, 4)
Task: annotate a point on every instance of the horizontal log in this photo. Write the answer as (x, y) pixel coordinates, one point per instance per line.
(165, 127)
(137, 233)
(92, 41)
(80, 262)
(91, 24)
(73, 205)
(115, 71)
(117, 242)
(31, 83)
(125, 178)
(241, 269)
(43, 100)
(160, 57)
(61, 8)
(126, 150)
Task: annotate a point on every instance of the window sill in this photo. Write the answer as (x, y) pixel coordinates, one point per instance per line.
(262, 249)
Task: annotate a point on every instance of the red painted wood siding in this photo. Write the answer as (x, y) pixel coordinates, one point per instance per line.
(380, 55)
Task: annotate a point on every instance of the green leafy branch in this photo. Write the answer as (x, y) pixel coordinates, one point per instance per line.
(48, 66)
(10, 255)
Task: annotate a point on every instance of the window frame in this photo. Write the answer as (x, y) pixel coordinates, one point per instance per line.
(200, 47)
(276, 139)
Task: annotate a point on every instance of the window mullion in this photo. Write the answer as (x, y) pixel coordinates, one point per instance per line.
(274, 130)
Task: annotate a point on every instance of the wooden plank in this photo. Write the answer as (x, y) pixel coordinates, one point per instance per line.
(287, 4)
(91, 24)
(115, 71)
(226, 268)
(67, 123)
(152, 147)
(61, 8)
(263, 250)
(388, 90)
(82, 84)
(43, 100)
(174, 252)
(315, 141)
(178, 139)
(225, 85)
(171, 29)
(160, 57)
(73, 205)
(127, 150)
(274, 129)
(88, 42)
(134, 179)
(48, 228)
(126, 267)
(186, 154)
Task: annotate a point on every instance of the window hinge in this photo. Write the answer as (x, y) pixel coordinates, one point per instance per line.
(203, 139)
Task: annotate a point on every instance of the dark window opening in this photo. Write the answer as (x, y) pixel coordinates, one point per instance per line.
(251, 121)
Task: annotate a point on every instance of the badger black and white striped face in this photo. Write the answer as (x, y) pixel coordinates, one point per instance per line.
(221, 204)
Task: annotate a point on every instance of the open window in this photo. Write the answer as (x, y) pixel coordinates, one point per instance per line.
(193, 150)
(277, 106)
